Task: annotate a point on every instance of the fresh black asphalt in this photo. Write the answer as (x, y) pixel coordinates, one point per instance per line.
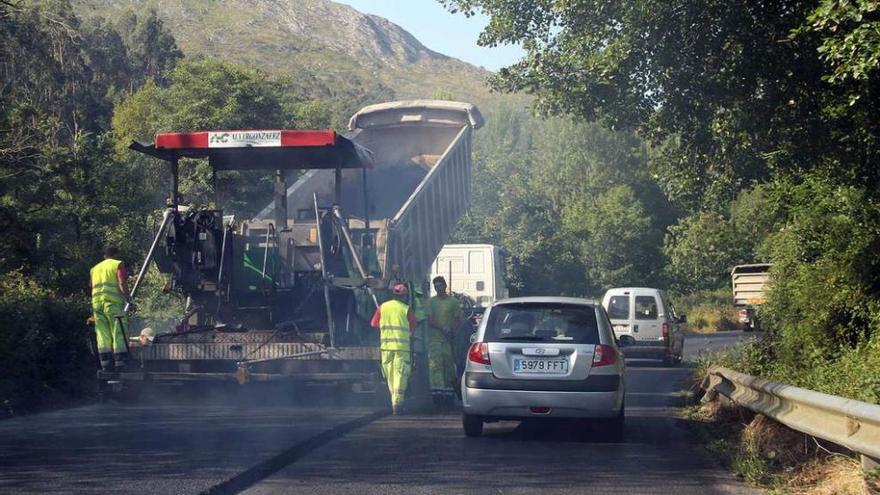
(168, 445)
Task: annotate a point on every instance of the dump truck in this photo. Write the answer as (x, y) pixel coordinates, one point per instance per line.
(750, 284)
(288, 295)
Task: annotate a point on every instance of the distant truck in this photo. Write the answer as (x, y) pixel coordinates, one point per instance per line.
(750, 283)
(473, 270)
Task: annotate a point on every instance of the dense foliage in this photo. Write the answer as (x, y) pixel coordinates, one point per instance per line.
(572, 204)
(62, 195)
(764, 125)
(73, 95)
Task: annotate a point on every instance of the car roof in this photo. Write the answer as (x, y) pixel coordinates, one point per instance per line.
(547, 299)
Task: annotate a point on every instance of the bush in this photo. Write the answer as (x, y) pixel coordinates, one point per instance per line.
(851, 372)
(823, 308)
(708, 311)
(44, 345)
(701, 249)
(746, 357)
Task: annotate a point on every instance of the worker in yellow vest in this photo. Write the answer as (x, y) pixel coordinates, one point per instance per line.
(396, 323)
(444, 318)
(109, 295)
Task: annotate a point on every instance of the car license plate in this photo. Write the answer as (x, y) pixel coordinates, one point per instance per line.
(540, 366)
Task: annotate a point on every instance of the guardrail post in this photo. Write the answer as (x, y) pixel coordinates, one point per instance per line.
(709, 383)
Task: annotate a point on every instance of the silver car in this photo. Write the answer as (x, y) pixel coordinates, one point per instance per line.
(543, 357)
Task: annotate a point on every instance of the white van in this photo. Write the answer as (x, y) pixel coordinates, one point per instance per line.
(645, 323)
(476, 270)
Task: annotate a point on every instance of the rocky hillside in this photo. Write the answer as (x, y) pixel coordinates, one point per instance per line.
(369, 38)
(307, 39)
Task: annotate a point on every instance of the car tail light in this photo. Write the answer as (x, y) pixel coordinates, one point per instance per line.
(665, 329)
(479, 353)
(604, 355)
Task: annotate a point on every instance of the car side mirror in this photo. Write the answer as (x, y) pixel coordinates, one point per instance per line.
(625, 341)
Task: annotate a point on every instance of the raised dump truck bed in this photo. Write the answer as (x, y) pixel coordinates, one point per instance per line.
(750, 283)
(417, 189)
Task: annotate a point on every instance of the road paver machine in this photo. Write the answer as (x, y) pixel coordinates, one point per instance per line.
(288, 295)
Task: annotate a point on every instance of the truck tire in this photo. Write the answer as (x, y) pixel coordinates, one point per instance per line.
(473, 425)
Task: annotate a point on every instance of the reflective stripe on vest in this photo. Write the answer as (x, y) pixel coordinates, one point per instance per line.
(105, 287)
(394, 331)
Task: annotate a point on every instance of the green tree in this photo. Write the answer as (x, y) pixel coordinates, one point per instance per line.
(62, 196)
(107, 58)
(824, 306)
(204, 95)
(573, 204)
(850, 33)
(616, 239)
(311, 114)
(55, 168)
(702, 248)
(756, 214)
(154, 51)
(733, 90)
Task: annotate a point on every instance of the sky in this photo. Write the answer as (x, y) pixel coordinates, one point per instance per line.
(450, 34)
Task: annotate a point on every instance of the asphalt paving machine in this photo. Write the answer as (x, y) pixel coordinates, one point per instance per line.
(287, 295)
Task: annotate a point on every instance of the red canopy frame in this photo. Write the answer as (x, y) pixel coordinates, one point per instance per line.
(278, 150)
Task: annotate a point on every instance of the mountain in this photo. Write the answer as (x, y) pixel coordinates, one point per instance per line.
(305, 39)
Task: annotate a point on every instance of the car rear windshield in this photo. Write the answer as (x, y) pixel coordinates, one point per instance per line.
(646, 308)
(618, 308)
(543, 322)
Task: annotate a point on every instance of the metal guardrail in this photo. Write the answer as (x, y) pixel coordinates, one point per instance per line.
(850, 423)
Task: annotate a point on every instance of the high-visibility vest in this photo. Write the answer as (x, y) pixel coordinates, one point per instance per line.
(394, 326)
(105, 287)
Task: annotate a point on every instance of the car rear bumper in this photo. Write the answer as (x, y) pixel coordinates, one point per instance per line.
(495, 403)
(594, 383)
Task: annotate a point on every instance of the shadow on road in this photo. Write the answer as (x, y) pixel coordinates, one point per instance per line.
(554, 430)
(656, 363)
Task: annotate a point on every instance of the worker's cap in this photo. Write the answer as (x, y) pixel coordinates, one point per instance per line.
(147, 336)
(399, 290)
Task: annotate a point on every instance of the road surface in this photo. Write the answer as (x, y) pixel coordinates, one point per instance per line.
(166, 445)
